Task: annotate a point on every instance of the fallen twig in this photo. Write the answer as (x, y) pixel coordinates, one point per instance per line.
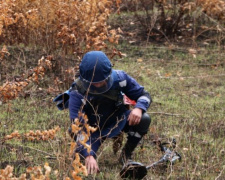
(38, 150)
(191, 77)
(168, 114)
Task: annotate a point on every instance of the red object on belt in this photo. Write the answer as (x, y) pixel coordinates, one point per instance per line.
(128, 101)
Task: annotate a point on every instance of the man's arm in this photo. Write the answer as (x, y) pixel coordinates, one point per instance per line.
(133, 90)
(90, 157)
(136, 92)
(75, 102)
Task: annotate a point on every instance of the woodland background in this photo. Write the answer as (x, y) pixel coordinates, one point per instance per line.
(174, 48)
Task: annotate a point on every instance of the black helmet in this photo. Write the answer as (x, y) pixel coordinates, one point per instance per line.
(95, 68)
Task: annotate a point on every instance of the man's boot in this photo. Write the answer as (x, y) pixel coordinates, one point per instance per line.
(128, 149)
(135, 134)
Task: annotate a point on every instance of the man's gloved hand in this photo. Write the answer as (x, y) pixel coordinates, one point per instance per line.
(135, 116)
(91, 165)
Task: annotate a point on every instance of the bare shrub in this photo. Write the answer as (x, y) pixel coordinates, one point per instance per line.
(73, 26)
(12, 89)
(166, 19)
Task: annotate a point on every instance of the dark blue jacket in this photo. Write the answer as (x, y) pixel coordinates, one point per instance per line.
(108, 115)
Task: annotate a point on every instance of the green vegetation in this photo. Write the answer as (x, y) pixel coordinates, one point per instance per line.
(188, 105)
(175, 49)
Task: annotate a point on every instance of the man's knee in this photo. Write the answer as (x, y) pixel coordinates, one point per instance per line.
(144, 124)
(146, 119)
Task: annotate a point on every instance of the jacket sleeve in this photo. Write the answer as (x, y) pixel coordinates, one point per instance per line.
(75, 102)
(94, 141)
(132, 89)
(62, 100)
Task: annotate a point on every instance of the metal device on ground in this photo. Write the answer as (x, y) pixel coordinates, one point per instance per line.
(137, 170)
